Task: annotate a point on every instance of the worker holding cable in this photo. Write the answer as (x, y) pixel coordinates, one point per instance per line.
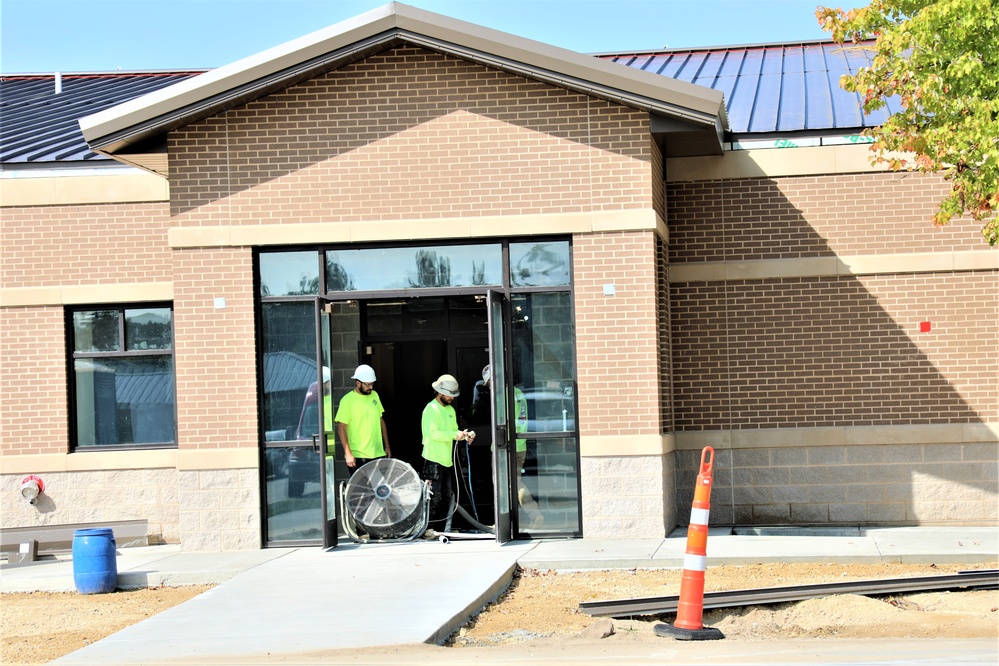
(440, 431)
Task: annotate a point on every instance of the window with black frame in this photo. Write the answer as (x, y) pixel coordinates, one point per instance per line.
(122, 382)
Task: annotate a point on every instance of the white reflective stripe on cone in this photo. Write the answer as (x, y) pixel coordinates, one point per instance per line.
(694, 562)
(699, 517)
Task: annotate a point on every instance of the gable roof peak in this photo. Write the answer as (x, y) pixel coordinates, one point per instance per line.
(126, 127)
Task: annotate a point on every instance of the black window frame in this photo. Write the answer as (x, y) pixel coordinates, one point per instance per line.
(72, 356)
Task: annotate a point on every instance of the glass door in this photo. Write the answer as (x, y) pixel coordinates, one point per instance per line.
(292, 392)
(501, 433)
(325, 441)
(337, 348)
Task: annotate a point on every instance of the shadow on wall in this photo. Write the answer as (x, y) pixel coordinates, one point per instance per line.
(403, 121)
(832, 351)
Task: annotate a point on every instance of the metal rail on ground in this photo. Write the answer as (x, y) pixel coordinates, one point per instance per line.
(965, 580)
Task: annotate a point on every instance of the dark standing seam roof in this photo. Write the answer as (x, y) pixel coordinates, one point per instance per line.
(772, 87)
(38, 125)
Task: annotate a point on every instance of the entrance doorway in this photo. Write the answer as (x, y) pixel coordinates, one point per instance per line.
(410, 343)
(507, 304)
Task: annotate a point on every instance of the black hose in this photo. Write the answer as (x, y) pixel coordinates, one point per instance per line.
(476, 524)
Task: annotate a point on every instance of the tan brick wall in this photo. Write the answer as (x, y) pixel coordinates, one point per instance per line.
(658, 181)
(836, 351)
(215, 357)
(665, 338)
(617, 336)
(410, 134)
(86, 244)
(815, 216)
(33, 411)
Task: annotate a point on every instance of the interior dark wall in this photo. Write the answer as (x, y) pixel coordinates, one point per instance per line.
(454, 341)
(408, 368)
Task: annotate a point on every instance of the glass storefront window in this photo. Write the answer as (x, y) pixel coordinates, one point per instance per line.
(293, 510)
(123, 378)
(289, 274)
(124, 401)
(544, 378)
(414, 267)
(539, 264)
(547, 487)
(543, 360)
(289, 341)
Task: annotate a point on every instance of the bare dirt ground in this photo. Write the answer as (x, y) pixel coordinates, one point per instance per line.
(546, 604)
(38, 627)
(539, 612)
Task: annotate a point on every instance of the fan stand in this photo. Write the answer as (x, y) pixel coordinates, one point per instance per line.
(350, 525)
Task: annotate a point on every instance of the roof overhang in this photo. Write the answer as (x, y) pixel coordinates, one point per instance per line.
(128, 132)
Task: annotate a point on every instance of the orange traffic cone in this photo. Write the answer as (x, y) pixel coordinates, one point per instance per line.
(690, 610)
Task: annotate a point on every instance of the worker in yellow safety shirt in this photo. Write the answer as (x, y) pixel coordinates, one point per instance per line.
(439, 425)
(360, 425)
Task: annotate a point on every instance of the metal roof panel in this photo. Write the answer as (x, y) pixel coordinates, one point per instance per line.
(773, 87)
(39, 125)
(766, 88)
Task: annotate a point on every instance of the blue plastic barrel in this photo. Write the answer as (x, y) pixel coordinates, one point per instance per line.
(95, 569)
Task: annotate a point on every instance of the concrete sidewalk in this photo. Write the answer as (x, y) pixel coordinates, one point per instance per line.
(277, 601)
(910, 545)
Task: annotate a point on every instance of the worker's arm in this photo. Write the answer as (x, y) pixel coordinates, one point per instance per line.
(437, 429)
(385, 442)
(341, 430)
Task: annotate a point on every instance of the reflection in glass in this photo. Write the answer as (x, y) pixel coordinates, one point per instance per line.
(414, 267)
(539, 264)
(96, 331)
(124, 400)
(289, 370)
(549, 501)
(543, 370)
(148, 329)
(289, 274)
(293, 507)
(542, 359)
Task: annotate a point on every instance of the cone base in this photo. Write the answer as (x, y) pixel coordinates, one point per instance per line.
(703, 634)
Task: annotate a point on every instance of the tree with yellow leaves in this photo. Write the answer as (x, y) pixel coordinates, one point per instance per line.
(941, 59)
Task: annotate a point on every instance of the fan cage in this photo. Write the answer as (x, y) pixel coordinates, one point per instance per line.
(384, 498)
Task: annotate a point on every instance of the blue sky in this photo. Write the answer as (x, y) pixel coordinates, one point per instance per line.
(102, 35)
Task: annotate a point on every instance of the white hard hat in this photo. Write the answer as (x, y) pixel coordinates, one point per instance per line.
(447, 385)
(327, 375)
(486, 374)
(364, 374)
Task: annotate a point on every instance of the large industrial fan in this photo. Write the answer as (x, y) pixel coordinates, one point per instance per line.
(385, 500)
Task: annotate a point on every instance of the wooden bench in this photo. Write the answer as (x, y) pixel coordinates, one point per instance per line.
(25, 544)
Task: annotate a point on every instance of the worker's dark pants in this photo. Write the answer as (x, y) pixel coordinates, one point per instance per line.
(440, 480)
(358, 462)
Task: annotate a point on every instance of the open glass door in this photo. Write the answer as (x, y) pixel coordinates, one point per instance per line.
(495, 303)
(325, 440)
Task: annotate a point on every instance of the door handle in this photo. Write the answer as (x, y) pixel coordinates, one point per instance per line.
(315, 443)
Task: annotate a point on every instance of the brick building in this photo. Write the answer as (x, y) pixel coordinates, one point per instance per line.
(655, 268)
